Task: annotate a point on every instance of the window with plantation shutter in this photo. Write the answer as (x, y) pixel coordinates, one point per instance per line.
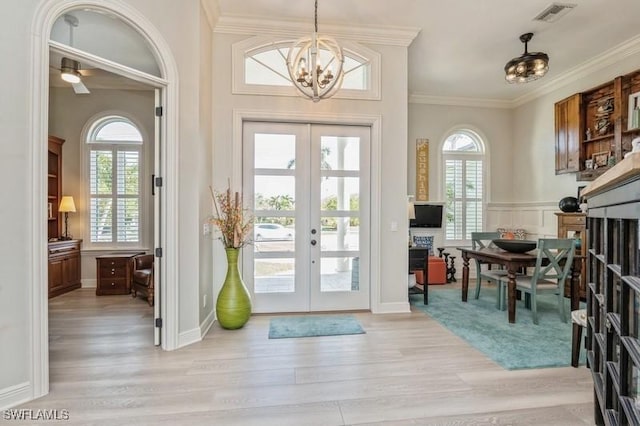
(114, 181)
(463, 159)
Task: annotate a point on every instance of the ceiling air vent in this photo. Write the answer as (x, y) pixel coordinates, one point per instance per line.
(554, 12)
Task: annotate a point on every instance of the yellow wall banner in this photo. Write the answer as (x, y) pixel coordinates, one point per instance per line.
(422, 169)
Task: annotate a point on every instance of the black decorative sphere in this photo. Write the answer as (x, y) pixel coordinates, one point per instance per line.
(569, 205)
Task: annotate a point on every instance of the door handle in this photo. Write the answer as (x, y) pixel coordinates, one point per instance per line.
(313, 242)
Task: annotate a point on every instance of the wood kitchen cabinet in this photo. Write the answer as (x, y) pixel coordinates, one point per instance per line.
(568, 129)
(64, 266)
(595, 123)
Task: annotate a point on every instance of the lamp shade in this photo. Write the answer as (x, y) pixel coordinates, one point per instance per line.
(411, 210)
(67, 204)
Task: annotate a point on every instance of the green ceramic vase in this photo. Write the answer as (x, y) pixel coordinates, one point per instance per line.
(233, 307)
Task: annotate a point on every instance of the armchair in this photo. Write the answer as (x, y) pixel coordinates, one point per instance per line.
(142, 277)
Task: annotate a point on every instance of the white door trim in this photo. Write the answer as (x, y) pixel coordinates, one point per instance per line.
(46, 14)
(370, 120)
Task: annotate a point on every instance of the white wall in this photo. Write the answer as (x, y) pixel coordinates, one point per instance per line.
(15, 173)
(206, 172)
(179, 24)
(393, 110)
(68, 115)
(435, 122)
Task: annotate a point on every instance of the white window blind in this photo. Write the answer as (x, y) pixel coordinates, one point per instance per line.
(114, 182)
(464, 187)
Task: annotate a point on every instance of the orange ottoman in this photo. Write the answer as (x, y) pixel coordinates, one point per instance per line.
(437, 272)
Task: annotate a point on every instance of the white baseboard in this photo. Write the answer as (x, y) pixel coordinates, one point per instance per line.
(15, 395)
(207, 323)
(189, 337)
(89, 283)
(392, 308)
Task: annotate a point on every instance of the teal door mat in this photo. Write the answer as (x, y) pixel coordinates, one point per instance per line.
(514, 346)
(309, 326)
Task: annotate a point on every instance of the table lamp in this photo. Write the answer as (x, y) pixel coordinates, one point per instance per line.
(66, 205)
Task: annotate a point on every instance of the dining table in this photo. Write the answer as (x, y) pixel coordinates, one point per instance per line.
(513, 262)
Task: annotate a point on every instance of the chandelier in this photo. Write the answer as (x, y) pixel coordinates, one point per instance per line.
(309, 75)
(528, 66)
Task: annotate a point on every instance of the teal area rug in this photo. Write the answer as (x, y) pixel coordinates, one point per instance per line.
(514, 346)
(309, 326)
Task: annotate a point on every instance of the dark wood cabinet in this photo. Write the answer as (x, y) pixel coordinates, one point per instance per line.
(64, 266)
(613, 298)
(595, 124)
(114, 273)
(574, 225)
(419, 260)
(54, 186)
(568, 129)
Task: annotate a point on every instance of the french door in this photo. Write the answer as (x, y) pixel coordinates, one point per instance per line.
(308, 188)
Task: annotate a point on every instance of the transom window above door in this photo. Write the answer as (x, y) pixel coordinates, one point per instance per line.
(260, 67)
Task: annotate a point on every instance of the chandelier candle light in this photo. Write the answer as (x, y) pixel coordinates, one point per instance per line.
(304, 63)
(527, 67)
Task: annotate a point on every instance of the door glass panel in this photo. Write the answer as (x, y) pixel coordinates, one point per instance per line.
(340, 193)
(273, 234)
(340, 233)
(340, 153)
(274, 151)
(339, 274)
(274, 192)
(274, 275)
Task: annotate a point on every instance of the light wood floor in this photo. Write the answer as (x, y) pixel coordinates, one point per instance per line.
(406, 370)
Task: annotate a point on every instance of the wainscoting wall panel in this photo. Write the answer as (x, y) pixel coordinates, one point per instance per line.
(537, 219)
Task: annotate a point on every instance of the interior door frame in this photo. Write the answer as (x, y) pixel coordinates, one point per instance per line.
(46, 14)
(374, 122)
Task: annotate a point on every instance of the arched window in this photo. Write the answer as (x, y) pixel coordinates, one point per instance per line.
(114, 163)
(463, 160)
(260, 67)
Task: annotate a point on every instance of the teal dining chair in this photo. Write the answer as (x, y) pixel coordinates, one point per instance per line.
(554, 261)
(480, 240)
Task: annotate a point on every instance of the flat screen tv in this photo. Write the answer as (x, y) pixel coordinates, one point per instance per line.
(427, 216)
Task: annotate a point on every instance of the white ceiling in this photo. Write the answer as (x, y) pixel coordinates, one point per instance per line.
(463, 45)
(459, 52)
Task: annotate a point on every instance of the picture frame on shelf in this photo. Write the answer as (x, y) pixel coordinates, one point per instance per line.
(633, 119)
(600, 159)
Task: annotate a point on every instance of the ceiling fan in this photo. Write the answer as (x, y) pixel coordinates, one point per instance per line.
(70, 69)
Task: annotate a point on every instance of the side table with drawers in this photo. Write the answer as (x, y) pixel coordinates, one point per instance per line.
(114, 273)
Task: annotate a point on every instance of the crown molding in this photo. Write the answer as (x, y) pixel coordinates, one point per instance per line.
(211, 11)
(419, 98)
(386, 35)
(611, 57)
